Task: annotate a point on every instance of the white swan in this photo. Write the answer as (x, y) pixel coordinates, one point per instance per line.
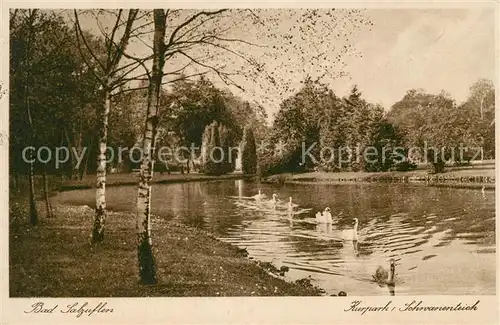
(325, 217)
(259, 196)
(319, 217)
(291, 205)
(355, 230)
(274, 201)
(351, 234)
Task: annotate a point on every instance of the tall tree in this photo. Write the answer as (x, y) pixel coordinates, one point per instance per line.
(22, 57)
(110, 76)
(248, 152)
(429, 123)
(479, 110)
(212, 153)
(147, 270)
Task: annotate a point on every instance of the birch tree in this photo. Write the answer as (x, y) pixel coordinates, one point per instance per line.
(110, 76)
(147, 270)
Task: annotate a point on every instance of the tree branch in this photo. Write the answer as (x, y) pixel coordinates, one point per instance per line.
(224, 76)
(189, 21)
(113, 32)
(80, 32)
(124, 40)
(89, 66)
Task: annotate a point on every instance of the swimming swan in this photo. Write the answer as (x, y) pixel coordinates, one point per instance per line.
(325, 217)
(382, 277)
(291, 205)
(274, 201)
(258, 197)
(351, 234)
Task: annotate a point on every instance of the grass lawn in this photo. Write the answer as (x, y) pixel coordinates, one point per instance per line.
(55, 259)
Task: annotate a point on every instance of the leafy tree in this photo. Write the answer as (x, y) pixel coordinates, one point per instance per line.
(385, 142)
(248, 152)
(191, 107)
(322, 130)
(479, 112)
(212, 154)
(45, 88)
(429, 123)
(228, 154)
(299, 120)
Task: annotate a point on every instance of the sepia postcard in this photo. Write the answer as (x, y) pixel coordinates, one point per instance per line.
(249, 163)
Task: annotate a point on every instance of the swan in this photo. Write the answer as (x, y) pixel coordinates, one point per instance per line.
(351, 234)
(274, 201)
(291, 204)
(383, 277)
(355, 230)
(259, 196)
(319, 217)
(325, 217)
(290, 208)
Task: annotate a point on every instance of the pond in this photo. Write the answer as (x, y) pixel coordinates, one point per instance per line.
(441, 239)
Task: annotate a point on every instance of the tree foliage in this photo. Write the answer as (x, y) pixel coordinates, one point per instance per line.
(248, 152)
(442, 131)
(321, 130)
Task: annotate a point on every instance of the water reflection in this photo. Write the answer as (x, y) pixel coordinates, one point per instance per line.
(442, 239)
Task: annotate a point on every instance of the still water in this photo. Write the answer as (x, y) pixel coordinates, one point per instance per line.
(442, 239)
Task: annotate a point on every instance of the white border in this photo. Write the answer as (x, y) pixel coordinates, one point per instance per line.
(245, 310)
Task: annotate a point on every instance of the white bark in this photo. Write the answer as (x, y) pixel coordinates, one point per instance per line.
(147, 271)
(100, 197)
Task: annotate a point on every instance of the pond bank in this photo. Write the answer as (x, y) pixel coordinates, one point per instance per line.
(55, 259)
(471, 178)
(130, 179)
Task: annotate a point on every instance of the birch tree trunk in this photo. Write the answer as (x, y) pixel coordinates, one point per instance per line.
(100, 197)
(147, 271)
(107, 78)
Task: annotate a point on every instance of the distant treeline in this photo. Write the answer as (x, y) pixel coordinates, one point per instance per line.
(334, 132)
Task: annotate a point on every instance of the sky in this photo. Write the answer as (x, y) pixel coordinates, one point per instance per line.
(402, 49)
(429, 49)
(435, 50)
